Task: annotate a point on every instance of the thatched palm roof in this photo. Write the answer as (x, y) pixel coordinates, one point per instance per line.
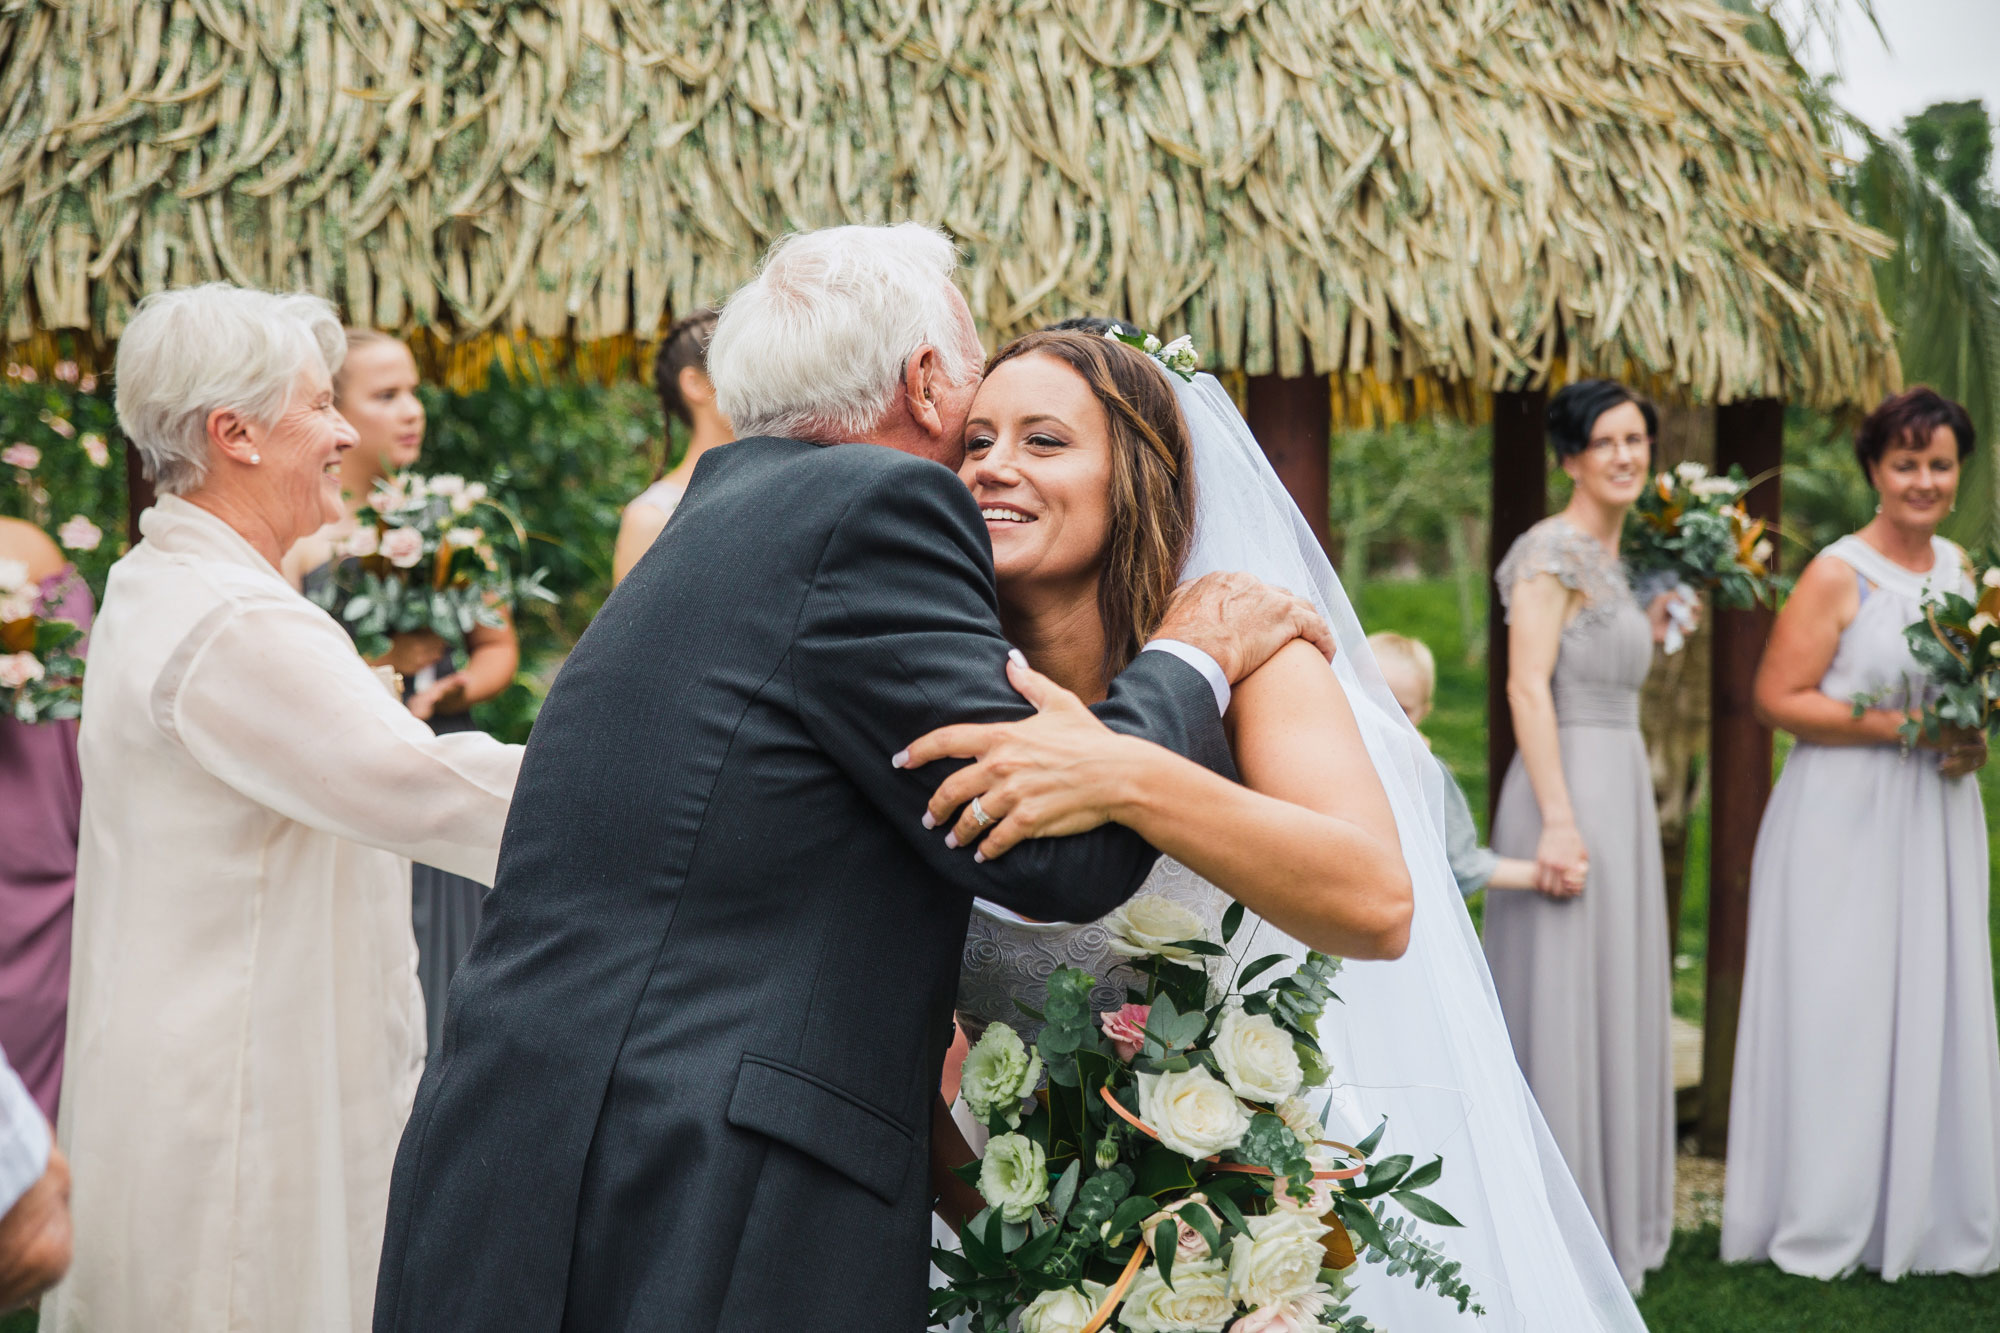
(1437, 197)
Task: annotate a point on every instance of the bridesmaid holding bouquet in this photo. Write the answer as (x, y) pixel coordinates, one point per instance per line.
(1864, 1124)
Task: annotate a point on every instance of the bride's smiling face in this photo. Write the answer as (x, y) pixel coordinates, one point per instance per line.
(1038, 461)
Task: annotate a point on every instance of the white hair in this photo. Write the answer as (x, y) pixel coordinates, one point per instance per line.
(814, 347)
(216, 347)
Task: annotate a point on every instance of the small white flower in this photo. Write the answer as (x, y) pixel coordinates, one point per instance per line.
(464, 538)
(1762, 551)
(1192, 1112)
(1710, 488)
(17, 669)
(446, 484)
(998, 1072)
(1065, 1311)
(13, 574)
(1278, 1261)
(95, 449)
(1152, 924)
(1980, 623)
(1256, 1056)
(1299, 1118)
(403, 547)
(1014, 1175)
(79, 534)
(21, 604)
(1690, 472)
(1991, 578)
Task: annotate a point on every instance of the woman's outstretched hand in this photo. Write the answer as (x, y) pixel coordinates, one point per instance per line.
(1059, 772)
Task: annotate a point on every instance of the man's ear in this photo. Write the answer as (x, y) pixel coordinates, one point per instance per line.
(923, 376)
(229, 434)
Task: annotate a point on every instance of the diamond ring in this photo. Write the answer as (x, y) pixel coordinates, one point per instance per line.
(978, 813)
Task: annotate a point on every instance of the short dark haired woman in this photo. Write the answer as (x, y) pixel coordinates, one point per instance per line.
(1866, 1035)
(1582, 968)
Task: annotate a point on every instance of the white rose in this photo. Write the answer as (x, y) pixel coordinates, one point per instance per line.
(465, 539)
(19, 605)
(403, 547)
(1299, 1118)
(363, 541)
(1256, 1056)
(1991, 578)
(446, 484)
(463, 502)
(1198, 1301)
(1151, 924)
(1191, 1112)
(1014, 1175)
(998, 1072)
(1278, 1261)
(13, 574)
(17, 669)
(1690, 471)
(1065, 1311)
(1710, 487)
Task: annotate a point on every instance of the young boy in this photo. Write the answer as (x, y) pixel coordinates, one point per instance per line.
(1411, 671)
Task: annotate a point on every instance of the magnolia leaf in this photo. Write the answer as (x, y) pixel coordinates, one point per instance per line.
(1232, 921)
(1064, 1193)
(1423, 1208)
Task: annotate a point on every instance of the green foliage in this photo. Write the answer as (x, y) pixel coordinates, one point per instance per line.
(1952, 143)
(70, 423)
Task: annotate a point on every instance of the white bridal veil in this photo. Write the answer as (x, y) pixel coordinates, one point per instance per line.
(1419, 1040)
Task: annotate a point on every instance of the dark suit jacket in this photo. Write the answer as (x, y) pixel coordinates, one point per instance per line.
(686, 1069)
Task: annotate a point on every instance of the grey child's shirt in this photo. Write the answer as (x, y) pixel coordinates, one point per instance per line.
(1471, 864)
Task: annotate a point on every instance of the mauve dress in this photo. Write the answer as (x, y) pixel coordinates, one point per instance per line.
(444, 908)
(41, 793)
(1585, 981)
(1864, 1122)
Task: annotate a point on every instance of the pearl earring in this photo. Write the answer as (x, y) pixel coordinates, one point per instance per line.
(256, 458)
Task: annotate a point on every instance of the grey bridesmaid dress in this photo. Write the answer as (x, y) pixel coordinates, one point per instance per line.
(1864, 1125)
(1585, 981)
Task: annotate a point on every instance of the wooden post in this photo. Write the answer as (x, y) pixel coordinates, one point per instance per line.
(1751, 435)
(1520, 500)
(1292, 418)
(138, 493)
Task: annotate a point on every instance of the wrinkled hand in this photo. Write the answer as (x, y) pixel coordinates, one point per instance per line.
(35, 1236)
(1562, 862)
(1059, 772)
(443, 696)
(1241, 621)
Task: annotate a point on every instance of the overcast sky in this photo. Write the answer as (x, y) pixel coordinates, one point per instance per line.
(1938, 51)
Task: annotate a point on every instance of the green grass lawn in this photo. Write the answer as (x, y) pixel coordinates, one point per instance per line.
(1696, 1292)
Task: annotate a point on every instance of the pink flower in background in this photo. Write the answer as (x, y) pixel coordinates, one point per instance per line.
(24, 456)
(17, 669)
(79, 534)
(363, 541)
(95, 450)
(1192, 1247)
(403, 547)
(66, 371)
(1126, 1027)
(1299, 1316)
(88, 384)
(25, 374)
(58, 425)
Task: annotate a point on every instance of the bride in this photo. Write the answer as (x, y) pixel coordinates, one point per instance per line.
(1105, 480)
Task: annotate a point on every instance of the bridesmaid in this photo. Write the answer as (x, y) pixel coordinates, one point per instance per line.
(680, 377)
(1582, 967)
(1864, 1126)
(376, 391)
(41, 789)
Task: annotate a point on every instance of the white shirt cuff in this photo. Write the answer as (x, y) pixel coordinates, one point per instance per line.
(24, 1140)
(1211, 670)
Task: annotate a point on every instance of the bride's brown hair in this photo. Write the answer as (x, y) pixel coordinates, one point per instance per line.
(1152, 482)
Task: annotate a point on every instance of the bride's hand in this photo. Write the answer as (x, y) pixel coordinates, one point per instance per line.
(1059, 772)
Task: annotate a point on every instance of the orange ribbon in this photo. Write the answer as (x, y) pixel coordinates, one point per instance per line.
(1118, 1288)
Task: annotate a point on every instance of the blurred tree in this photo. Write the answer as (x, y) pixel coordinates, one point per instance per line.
(1952, 143)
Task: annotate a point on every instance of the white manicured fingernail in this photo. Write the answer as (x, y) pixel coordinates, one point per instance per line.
(977, 857)
(930, 821)
(951, 839)
(898, 759)
(1015, 656)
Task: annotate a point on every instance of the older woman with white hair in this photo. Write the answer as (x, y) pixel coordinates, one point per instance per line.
(246, 1031)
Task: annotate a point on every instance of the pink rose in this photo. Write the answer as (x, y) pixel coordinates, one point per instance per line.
(23, 456)
(17, 669)
(1299, 1316)
(363, 541)
(1126, 1027)
(402, 547)
(95, 449)
(1192, 1248)
(59, 426)
(88, 384)
(79, 534)
(66, 371)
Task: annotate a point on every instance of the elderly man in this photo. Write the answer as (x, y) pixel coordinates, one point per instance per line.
(687, 1070)
(245, 1028)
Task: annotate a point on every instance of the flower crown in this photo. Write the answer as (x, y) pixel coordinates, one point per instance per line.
(1178, 357)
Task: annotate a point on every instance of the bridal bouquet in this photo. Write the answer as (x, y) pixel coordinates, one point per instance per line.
(425, 556)
(1958, 645)
(1172, 1170)
(1689, 531)
(41, 668)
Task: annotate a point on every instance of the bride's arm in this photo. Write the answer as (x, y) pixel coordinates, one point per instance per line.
(1309, 842)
